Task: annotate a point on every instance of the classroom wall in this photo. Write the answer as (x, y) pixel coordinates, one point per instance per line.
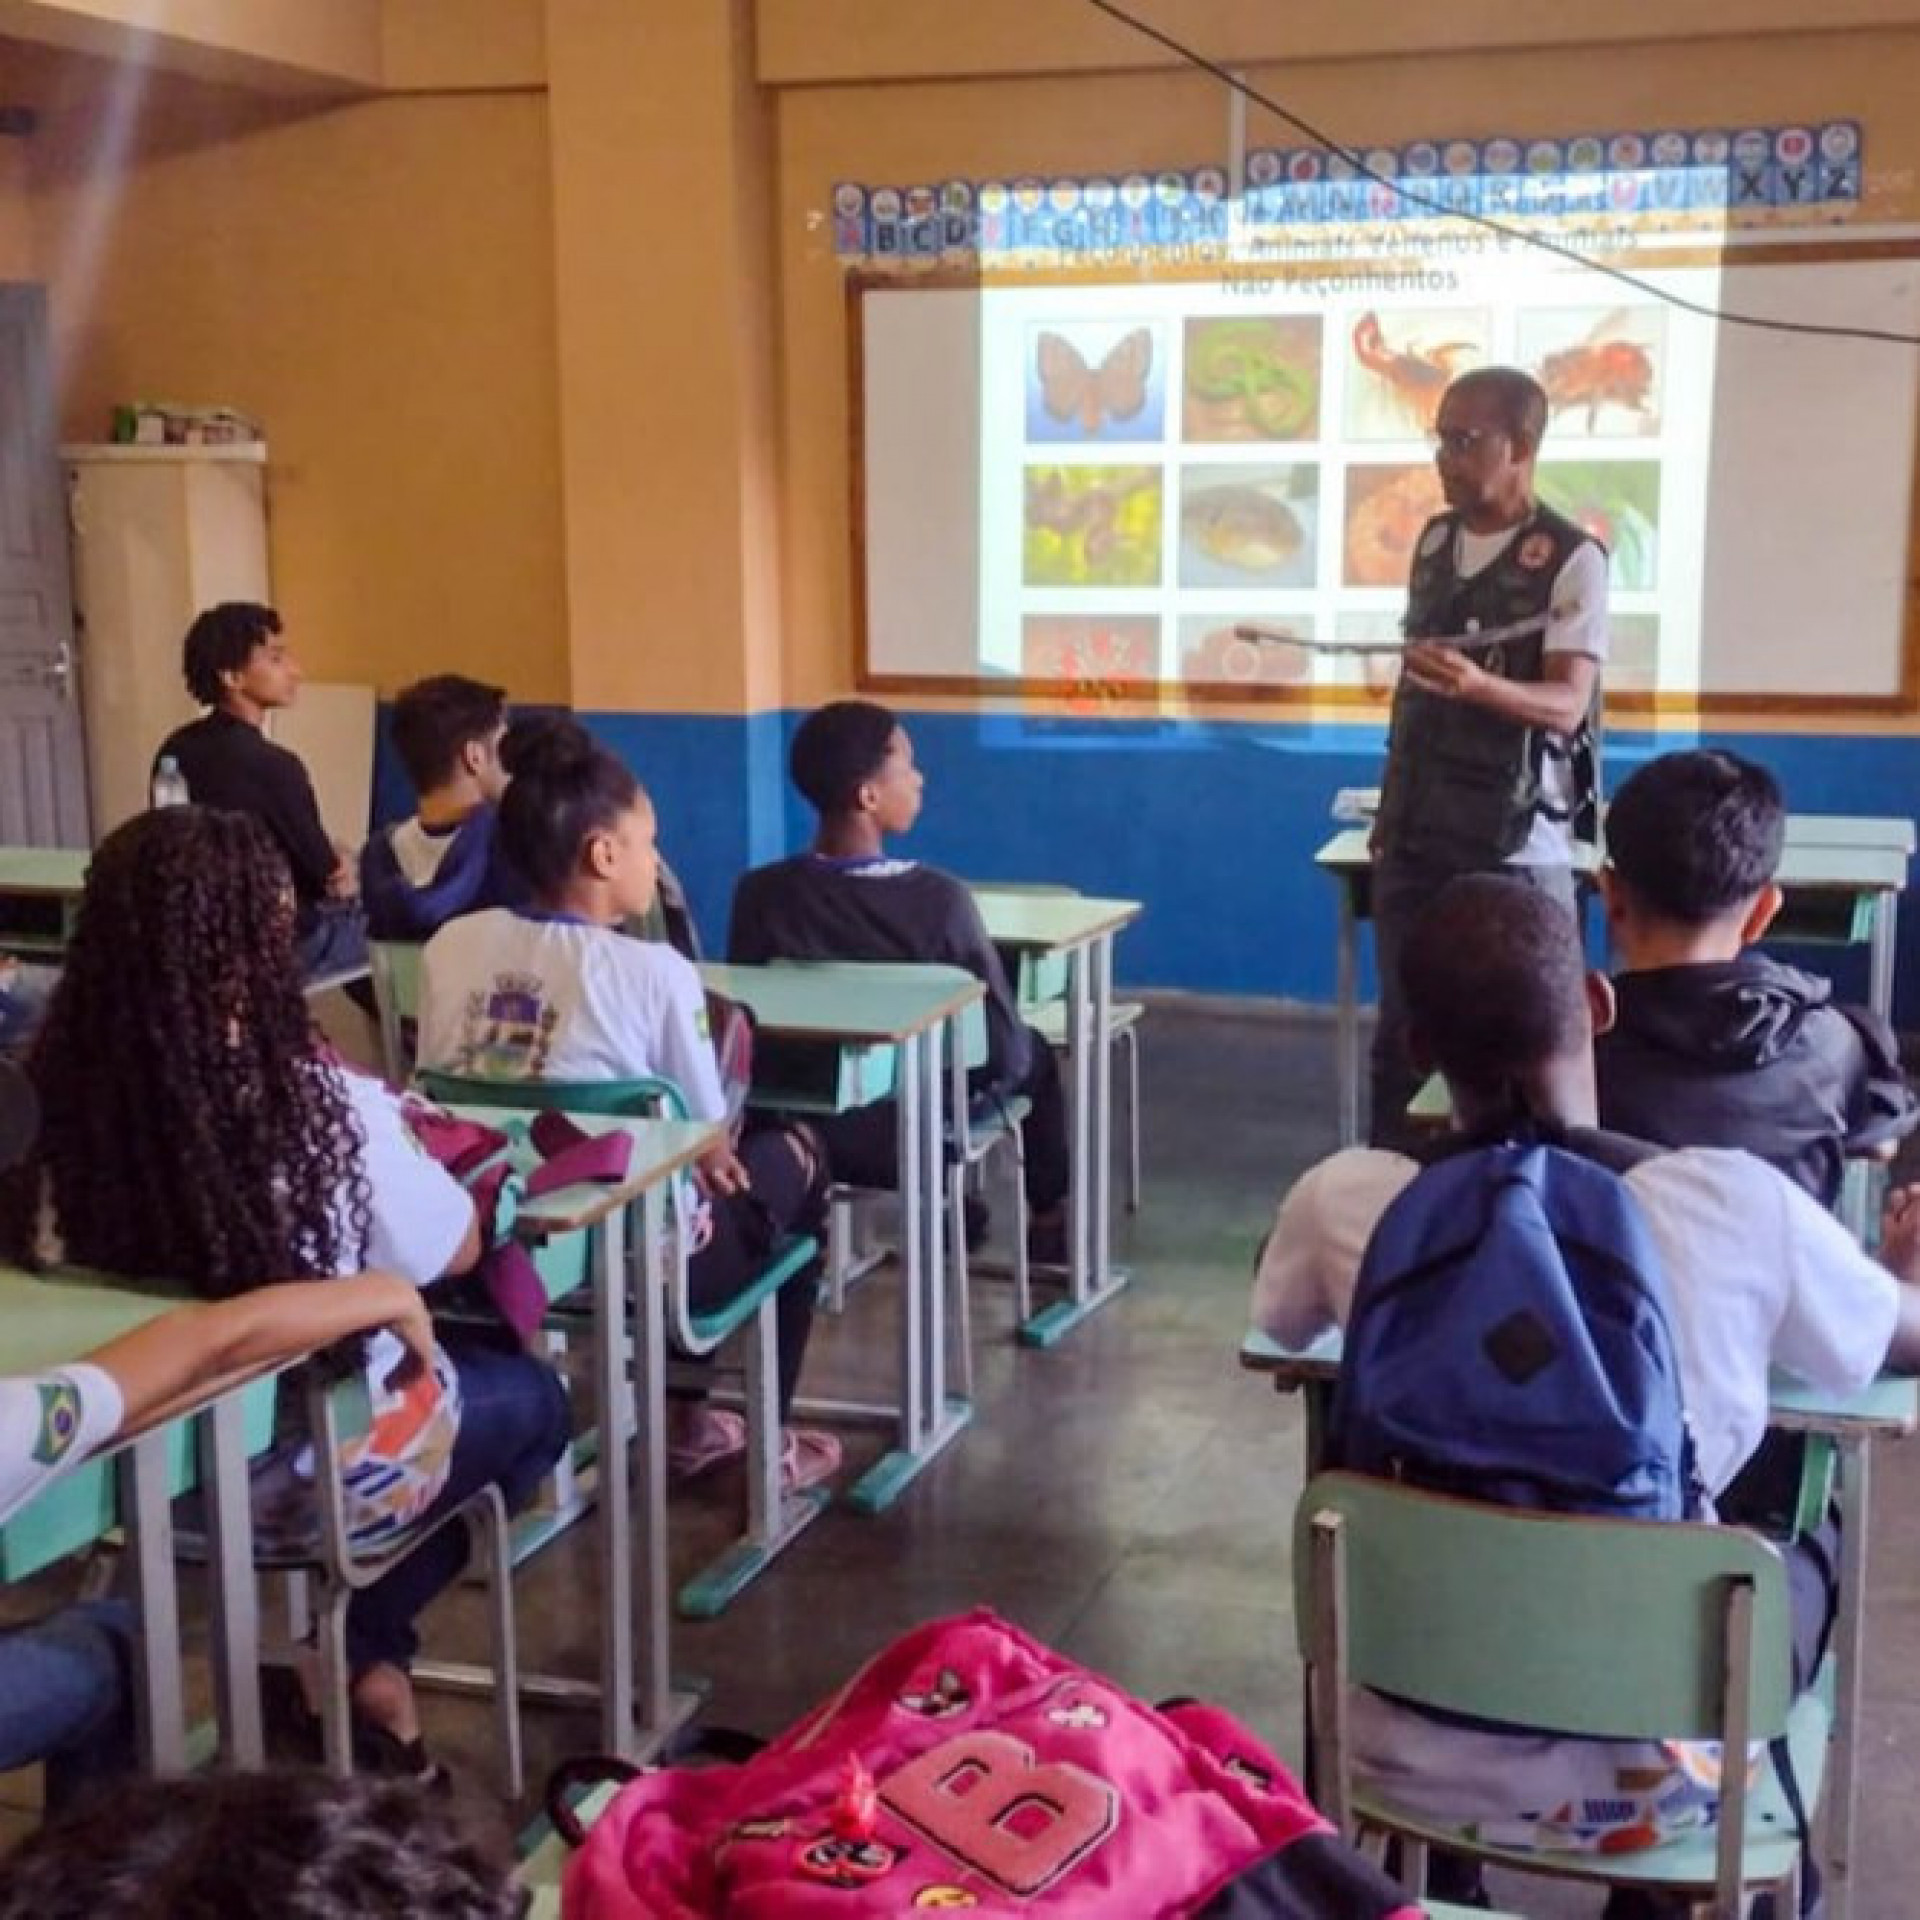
(295, 44)
(372, 282)
(551, 348)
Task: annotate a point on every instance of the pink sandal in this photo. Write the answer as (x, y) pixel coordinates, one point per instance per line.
(712, 1436)
(807, 1457)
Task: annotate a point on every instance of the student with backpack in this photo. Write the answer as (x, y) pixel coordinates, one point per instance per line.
(1461, 1285)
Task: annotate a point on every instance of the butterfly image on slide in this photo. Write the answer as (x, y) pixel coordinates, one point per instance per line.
(1086, 395)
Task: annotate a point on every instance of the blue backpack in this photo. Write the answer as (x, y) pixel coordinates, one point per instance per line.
(1510, 1338)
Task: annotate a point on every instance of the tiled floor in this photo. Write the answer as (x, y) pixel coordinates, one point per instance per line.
(1128, 1495)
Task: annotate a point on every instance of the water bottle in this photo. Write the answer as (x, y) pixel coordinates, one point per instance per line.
(169, 783)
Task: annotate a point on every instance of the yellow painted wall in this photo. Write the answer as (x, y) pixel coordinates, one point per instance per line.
(664, 258)
(810, 42)
(929, 131)
(463, 43)
(300, 44)
(374, 283)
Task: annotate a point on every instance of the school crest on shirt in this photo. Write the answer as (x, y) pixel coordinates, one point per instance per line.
(1535, 551)
(507, 1031)
(59, 1422)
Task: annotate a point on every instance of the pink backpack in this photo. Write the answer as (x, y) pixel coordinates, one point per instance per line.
(967, 1766)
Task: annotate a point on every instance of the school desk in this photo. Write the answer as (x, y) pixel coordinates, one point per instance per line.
(1082, 929)
(40, 889)
(629, 1374)
(1889, 1407)
(56, 1318)
(850, 1014)
(1842, 877)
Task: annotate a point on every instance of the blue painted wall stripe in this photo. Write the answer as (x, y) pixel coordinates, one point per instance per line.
(1213, 824)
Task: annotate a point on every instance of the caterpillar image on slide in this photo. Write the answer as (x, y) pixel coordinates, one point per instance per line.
(1092, 526)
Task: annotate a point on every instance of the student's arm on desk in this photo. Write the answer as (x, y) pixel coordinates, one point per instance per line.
(188, 1352)
(1303, 1280)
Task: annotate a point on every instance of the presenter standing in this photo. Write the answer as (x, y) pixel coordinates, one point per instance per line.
(1491, 760)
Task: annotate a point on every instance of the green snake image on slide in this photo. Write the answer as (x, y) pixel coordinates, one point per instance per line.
(1255, 377)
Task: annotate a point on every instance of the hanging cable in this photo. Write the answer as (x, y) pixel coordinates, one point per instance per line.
(1726, 316)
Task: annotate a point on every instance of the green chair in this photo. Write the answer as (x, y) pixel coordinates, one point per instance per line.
(395, 966)
(336, 1571)
(1608, 1629)
(774, 1515)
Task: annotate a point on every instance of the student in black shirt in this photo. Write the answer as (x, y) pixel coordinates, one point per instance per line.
(1715, 1045)
(846, 898)
(236, 664)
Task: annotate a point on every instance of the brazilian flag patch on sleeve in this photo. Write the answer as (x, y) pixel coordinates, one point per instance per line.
(59, 1421)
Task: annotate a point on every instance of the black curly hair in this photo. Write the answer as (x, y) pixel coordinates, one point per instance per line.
(190, 1128)
(262, 1846)
(565, 786)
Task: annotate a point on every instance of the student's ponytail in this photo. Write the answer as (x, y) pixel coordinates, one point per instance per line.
(564, 786)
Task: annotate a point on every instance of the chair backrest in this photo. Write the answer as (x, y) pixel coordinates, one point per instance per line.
(395, 966)
(1613, 1629)
(643, 1096)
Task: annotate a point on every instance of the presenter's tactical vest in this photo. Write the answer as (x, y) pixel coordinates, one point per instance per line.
(1462, 785)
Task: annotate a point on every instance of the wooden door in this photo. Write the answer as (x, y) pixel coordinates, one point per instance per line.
(43, 784)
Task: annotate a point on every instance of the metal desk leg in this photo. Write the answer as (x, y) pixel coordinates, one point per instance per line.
(1856, 1451)
(1886, 932)
(614, 1392)
(234, 1607)
(1101, 1076)
(663, 1708)
(159, 1700)
(1346, 1018)
(929, 1420)
(1092, 1280)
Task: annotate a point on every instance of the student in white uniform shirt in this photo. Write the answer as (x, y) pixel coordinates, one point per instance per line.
(556, 991)
(194, 1130)
(1760, 1277)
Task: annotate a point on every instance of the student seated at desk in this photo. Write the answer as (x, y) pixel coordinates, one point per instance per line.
(445, 859)
(194, 1130)
(1759, 1274)
(847, 898)
(1715, 1045)
(65, 1687)
(239, 668)
(556, 991)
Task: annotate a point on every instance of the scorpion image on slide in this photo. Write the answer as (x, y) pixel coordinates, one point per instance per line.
(1413, 375)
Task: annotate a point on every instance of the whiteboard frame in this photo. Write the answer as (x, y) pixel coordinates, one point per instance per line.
(1322, 701)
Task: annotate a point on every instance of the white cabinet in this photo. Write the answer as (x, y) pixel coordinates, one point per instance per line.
(159, 533)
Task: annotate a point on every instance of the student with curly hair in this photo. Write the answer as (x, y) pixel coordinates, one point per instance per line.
(557, 992)
(258, 1846)
(194, 1130)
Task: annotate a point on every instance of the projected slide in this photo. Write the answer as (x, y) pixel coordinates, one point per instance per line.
(1160, 466)
(1093, 487)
